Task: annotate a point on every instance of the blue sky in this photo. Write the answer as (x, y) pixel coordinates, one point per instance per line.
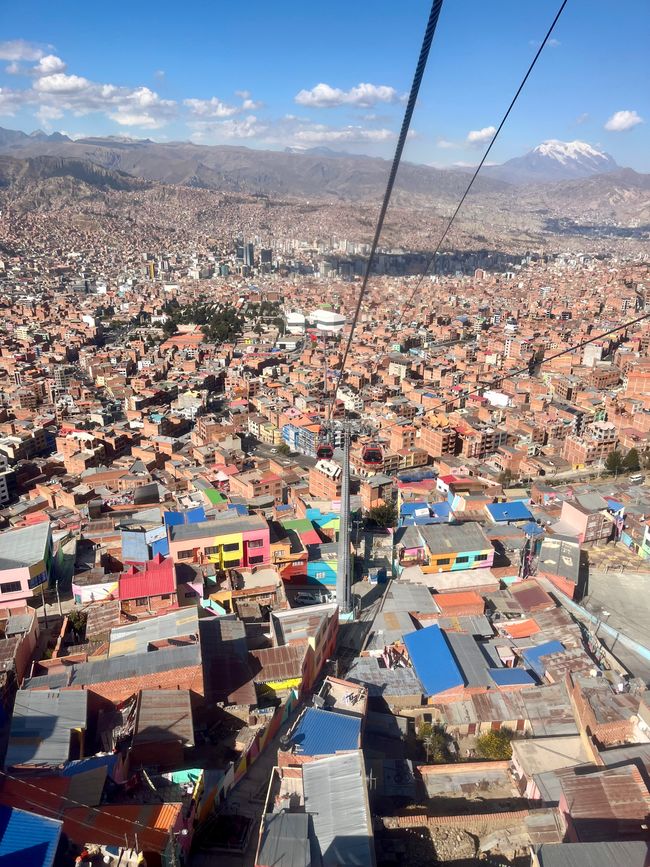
(294, 74)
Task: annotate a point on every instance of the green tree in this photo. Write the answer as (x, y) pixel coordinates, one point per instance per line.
(384, 515)
(495, 745)
(505, 478)
(284, 449)
(614, 462)
(631, 461)
(435, 742)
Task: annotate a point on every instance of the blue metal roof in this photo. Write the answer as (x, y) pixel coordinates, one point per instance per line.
(433, 660)
(323, 732)
(532, 655)
(411, 508)
(510, 676)
(27, 840)
(80, 766)
(533, 529)
(514, 511)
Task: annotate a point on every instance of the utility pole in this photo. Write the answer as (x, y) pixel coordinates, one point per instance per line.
(343, 572)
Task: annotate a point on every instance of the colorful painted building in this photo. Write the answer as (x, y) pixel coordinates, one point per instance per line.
(25, 564)
(228, 542)
(451, 547)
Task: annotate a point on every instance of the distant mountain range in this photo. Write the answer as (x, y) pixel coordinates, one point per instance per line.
(316, 172)
(554, 161)
(554, 181)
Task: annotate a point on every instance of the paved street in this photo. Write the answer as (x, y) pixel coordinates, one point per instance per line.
(247, 799)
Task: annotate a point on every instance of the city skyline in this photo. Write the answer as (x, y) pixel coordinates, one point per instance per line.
(311, 84)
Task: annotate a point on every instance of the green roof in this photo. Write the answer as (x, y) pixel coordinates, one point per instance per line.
(214, 496)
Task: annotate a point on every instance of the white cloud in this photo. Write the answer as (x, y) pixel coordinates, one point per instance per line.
(445, 144)
(47, 113)
(215, 107)
(212, 107)
(317, 133)
(552, 43)
(20, 49)
(623, 120)
(14, 68)
(243, 128)
(10, 101)
(59, 82)
(160, 74)
(286, 131)
(582, 118)
(363, 95)
(48, 65)
(480, 136)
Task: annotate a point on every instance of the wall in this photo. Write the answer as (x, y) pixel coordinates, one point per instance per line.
(86, 593)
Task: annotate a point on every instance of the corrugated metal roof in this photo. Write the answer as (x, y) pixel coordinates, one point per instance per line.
(607, 803)
(285, 841)
(460, 599)
(216, 527)
(622, 853)
(549, 710)
(383, 681)
(25, 546)
(324, 732)
(475, 624)
(133, 665)
(454, 538)
(404, 596)
(27, 840)
(279, 663)
(511, 677)
(432, 660)
(102, 617)
(164, 715)
(336, 797)
(227, 674)
(41, 725)
(472, 662)
(532, 655)
(136, 637)
(514, 511)
(531, 596)
(155, 579)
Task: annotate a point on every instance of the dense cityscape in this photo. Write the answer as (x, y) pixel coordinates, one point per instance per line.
(311, 554)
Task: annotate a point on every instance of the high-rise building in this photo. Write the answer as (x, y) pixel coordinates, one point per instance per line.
(249, 254)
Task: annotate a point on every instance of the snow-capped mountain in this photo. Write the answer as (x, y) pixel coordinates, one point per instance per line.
(554, 161)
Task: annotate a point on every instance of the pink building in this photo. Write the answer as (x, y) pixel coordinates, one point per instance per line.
(228, 542)
(25, 564)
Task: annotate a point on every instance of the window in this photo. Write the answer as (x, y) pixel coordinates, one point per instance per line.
(319, 575)
(444, 561)
(212, 549)
(166, 597)
(11, 587)
(480, 558)
(184, 555)
(231, 546)
(37, 580)
(462, 559)
(141, 601)
(230, 564)
(257, 559)
(256, 543)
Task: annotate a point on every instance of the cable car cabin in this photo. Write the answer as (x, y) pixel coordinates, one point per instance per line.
(372, 455)
(324, 452)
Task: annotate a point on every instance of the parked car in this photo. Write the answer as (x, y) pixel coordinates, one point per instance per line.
(304, 597)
